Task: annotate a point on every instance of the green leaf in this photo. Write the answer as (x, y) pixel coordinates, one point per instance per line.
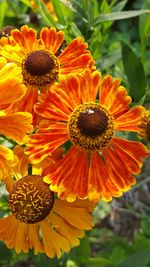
(45, 14)
(134, 71)
(119, 6)
(3, 10)
(98, 262)
(109, 60)
(119, 15)
(140, 259)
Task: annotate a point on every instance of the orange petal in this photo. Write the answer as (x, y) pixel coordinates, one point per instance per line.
(131, 153)
(35, 239)
(21, 169)
(16, 126)
(51, 39)
(89, 83)
(58, 103)
(69, 176)
(54, 243)
(75, 57)
(42, 144)
(131, 120)
(114, 96)
(79, 217)
(120, 177)
(25, 38)
(7, 88)
(7, 162)
(98, 177)
(8, 230)
(27, 102)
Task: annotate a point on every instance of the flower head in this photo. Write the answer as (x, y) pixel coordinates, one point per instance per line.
(98, 164)
(38, 58)
(38, 220)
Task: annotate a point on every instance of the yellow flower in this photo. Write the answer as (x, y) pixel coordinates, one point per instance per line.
(38, 220)
(98, 164)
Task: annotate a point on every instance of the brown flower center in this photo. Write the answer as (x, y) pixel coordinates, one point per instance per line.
(40, 68)
(30, 199)
(91, 126)
(92, 122)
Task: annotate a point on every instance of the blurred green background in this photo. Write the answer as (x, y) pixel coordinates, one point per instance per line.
(118, 35)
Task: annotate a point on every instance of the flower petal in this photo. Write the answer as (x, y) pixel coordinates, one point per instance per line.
(40, 145)
(16, 126)
(25, 38)
(51, 39)
(69, 176)
(114, 96)
(74, 57)
(131, 153)
(131, 120)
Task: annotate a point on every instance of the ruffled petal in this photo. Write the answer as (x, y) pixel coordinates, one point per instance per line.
(131, 120)
(89, 83)
(131, 152)
(75, 57)
(69, 176)
(25, 38)
(51, 39)
(114, 96)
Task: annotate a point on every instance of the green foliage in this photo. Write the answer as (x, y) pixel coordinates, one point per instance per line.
(134, 71)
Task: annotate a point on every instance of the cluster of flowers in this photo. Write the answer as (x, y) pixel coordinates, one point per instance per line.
(64, 120)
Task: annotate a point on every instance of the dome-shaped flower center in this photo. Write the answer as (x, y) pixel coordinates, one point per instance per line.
(91, 126)
(40, 68)
(30, 199)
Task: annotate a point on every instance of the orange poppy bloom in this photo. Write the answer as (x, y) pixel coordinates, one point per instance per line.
(99, 163)
(38, 220)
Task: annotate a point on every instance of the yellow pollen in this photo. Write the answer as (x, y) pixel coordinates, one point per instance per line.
(91, 126)
(40, 68)
(30, 199)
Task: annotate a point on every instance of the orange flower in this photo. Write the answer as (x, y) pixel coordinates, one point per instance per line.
(145, 131)
(37, 220)
(41, 59)
(99, 163)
